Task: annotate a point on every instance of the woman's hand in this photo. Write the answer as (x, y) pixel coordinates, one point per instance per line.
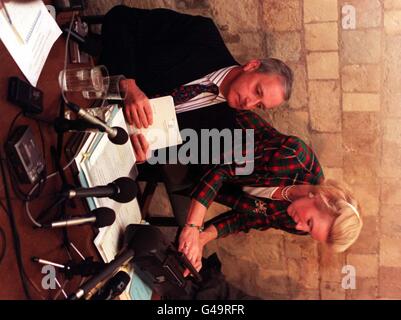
(205, 237)
(198, 261)
(137, 108)
(189, 244)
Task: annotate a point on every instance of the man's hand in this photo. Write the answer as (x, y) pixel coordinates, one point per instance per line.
(137, 107)
(141, 147)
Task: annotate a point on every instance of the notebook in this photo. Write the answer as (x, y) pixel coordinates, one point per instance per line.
(164, 132)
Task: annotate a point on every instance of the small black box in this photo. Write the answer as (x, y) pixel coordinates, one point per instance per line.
(25, 96)
(25, 156)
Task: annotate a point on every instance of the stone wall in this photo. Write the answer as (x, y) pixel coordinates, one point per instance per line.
(346, 105)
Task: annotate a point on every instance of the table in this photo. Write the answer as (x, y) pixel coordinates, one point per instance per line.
(46, 244)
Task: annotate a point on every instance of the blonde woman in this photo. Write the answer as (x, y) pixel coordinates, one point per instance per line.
(286, 191)
(327, 212)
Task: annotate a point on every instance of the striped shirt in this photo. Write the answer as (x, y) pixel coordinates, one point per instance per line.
(206, 99)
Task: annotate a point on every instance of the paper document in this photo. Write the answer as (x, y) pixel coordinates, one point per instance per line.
(101, 162)
(164, 132)
(29, 36)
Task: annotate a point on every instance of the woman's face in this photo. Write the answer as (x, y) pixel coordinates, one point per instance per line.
(311, 215)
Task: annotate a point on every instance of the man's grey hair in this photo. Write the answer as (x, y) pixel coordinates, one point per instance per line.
(278, 67)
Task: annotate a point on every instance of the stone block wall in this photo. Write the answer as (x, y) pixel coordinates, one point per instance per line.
(346, 104)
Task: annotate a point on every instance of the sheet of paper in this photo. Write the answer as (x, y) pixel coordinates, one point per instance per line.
(164, 132)
(31, 36)
(102, 163)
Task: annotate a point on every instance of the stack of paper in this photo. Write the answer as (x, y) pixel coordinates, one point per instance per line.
(101, 162)
(28, 31)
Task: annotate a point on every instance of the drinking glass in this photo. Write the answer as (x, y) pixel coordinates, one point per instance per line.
(84, 79)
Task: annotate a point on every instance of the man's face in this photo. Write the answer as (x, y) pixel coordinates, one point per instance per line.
(310, 215)
(251, 89)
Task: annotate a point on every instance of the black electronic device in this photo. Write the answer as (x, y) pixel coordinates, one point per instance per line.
(157, 262)
(27, 97)
(24, 155)
(69, 5)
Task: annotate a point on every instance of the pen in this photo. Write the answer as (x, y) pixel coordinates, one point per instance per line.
(11, 22)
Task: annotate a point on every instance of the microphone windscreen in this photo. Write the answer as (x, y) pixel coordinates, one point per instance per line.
(104, 217)
(121, 137)
(143, 238)
(127, 190)
(119, 278)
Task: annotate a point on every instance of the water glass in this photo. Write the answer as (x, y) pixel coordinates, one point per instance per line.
(84, 79)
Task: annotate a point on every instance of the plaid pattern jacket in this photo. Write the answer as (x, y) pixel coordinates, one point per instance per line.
(279, 160)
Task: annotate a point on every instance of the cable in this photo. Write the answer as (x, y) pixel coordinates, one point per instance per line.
(34, 188)
(3, 252)
(13, 124)
(63, 80)
(43, 173)
(4, 244)
(16, 239)
(3, 206)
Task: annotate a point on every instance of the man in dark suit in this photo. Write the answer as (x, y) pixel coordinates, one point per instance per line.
(160, 50)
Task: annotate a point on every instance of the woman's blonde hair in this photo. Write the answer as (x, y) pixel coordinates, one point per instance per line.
(344, 207)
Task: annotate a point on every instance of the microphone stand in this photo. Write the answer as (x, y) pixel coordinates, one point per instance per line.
(60, 202)
(86, 268)
(65, 185)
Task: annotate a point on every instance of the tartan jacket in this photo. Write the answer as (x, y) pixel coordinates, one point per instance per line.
(279, 160)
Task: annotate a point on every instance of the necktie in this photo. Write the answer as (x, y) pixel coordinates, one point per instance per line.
(186, 93)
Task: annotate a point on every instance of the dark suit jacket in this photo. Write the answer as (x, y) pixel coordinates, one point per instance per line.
(162, 49)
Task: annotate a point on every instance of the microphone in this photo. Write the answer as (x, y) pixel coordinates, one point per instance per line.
(122, 190)
(125, 255)
(116, 135)
(86, 268)
(118, 261)
(113, 287)
(141, 241)
(101, 217)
